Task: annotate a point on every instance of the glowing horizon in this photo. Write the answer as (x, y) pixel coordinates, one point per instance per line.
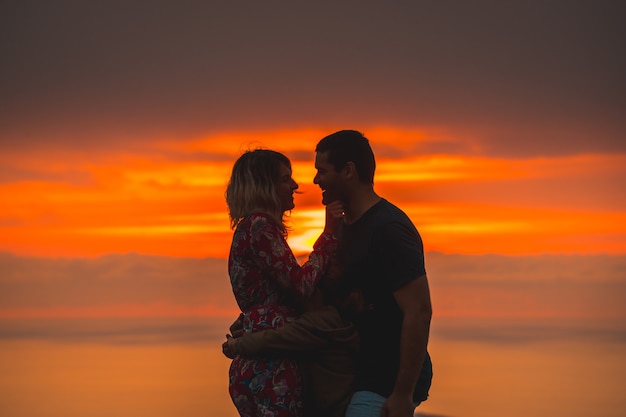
(169, 201)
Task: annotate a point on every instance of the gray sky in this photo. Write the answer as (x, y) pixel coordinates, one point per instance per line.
(530, 78)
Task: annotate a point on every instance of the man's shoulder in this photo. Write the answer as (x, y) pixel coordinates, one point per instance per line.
(388, 213)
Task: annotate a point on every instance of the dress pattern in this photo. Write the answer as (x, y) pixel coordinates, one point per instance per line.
(263, 272)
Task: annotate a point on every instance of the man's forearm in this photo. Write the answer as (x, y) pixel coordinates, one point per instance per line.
(413, 344)
(294, 337)
(414, 302)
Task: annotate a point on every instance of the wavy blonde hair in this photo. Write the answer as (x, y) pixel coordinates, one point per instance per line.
(252, 186)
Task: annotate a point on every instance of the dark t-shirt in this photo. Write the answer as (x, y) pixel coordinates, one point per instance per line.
(379, 253)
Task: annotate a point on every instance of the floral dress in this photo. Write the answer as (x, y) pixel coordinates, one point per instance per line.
(263, 271)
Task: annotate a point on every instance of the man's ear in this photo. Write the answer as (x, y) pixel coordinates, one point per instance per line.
(349, 170)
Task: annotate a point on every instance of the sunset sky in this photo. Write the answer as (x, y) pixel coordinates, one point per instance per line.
(498, 128)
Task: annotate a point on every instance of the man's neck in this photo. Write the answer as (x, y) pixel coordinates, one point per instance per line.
(360, 201)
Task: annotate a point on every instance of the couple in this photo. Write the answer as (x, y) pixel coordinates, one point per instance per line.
(367, 266)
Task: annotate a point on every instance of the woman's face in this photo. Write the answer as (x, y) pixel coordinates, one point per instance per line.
(285, 188)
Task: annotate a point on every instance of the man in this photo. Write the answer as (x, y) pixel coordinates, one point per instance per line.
(382, 256)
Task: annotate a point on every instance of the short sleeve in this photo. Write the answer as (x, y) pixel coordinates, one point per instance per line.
(402, 249)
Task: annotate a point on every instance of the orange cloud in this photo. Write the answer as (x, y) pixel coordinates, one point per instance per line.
(170, 200)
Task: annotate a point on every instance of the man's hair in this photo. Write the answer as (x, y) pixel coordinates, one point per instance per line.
(349, 146)
(252, 186)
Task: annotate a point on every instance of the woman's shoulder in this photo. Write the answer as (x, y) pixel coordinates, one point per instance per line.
(259, 218)
(258, 221)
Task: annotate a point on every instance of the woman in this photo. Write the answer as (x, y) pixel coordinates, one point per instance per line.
(267, 279)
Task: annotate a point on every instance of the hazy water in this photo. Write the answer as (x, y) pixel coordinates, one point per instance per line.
(174, 368)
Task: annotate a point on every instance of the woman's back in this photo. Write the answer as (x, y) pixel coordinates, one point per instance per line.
(257, 255)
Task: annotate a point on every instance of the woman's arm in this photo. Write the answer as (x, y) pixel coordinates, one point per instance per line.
(275, 258)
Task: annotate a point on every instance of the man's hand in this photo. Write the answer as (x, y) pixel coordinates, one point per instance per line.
(228, 347)
(398, 406)
(236, 330)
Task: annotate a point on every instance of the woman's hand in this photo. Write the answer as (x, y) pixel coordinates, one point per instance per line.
(334, 214)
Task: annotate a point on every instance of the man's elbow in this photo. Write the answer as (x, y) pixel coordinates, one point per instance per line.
(420, 314)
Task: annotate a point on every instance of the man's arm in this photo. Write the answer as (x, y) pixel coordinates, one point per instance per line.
(414, 301)
(304, 334)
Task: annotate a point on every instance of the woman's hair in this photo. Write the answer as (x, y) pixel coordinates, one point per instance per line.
(252, 186)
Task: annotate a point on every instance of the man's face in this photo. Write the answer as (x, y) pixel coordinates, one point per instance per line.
(327, 178)
(285, 188)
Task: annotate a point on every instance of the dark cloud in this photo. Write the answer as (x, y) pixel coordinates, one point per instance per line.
(527, 331)
(542, 78)
(586, 290)
(117, 330)
(554, 297)
(113, 280)
(512, 270)
(145, 280)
